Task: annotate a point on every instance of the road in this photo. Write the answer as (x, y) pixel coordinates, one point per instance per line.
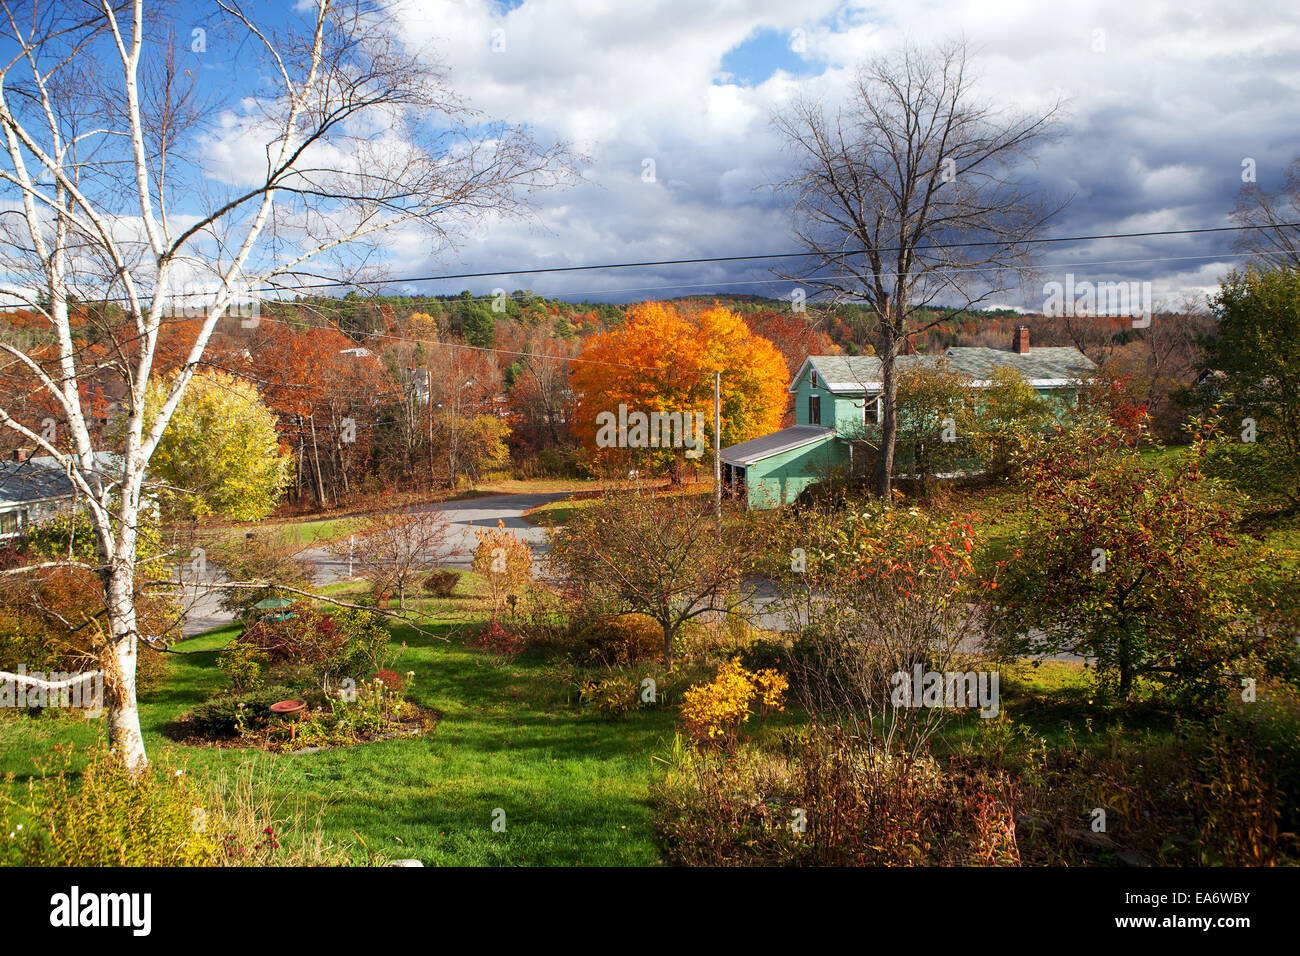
(465, 516)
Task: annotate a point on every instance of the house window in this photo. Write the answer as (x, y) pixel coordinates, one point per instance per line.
(813, 380)
(814, 409)
(871, 411)
(9, 522)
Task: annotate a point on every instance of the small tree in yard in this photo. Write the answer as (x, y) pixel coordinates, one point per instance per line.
(1136, 566)
(262, 557)
(880, 591)
(659, 556)
(395, 549)
(932, 401)
(1251, 362)
(505, 562)
(1005, 414)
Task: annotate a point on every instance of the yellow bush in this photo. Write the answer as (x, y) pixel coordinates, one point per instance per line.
(107, 818)
(713, 712)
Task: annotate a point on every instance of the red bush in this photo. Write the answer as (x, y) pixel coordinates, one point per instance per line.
(495, 639)
(306, 636)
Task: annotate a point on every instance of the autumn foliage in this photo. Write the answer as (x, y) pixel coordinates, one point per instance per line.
(662, 359)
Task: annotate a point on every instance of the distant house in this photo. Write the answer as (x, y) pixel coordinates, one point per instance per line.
(837, 395)
(33, 490)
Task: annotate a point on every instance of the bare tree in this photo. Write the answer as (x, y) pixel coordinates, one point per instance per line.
(539, 393)
(907, 198)
(395, 549)
(111, 196)
(1273, 236)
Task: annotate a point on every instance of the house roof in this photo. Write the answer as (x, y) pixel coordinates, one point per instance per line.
(853, 373)
(756, 449)
(21, 482)
(1047, 365)
(1044, 367)
(41, 478)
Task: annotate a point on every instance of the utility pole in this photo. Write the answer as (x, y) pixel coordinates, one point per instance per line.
(429, 372)
(717, 444)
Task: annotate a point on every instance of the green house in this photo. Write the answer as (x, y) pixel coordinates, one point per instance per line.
(835, 396)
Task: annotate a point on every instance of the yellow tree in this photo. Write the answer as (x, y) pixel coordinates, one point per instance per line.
(643, 392)
(220, 454)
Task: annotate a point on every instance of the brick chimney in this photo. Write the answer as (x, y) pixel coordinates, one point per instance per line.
(1021, 342)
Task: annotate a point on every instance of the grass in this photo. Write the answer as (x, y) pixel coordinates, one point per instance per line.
(555, 513)
(298, 533)
(574, 789)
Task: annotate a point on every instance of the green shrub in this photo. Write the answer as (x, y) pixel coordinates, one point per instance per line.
(107, 818)
(224, 714)
(612, 698)
(243, 664)
(441, 583)
(764, 654)
(364, 649)
(1259, 470)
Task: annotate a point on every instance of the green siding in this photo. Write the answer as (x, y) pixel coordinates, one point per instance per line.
(841, 412)
(778, 480)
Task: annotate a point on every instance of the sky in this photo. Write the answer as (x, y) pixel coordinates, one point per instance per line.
(1164, 103)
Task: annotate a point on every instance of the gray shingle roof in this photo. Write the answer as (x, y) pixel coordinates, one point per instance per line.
(41, 478)
(22, 482)
(1041, 365)
(756, 449)
(1054, 363)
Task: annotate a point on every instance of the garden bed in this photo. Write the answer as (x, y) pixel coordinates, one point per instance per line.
(412, 720)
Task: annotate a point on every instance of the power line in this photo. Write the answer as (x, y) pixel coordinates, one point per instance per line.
(779, 255)
(345, 283)
(889, 275)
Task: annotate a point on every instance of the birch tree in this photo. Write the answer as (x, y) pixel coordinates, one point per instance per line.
(907, 198)
(129, 178)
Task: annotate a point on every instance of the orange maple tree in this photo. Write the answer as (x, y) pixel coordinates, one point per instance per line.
(662, 359)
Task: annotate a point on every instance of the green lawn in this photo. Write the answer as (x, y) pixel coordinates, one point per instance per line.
(300, 534)
(573, 787)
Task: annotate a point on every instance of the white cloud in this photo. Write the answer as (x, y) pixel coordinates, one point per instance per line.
(1163, 105)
